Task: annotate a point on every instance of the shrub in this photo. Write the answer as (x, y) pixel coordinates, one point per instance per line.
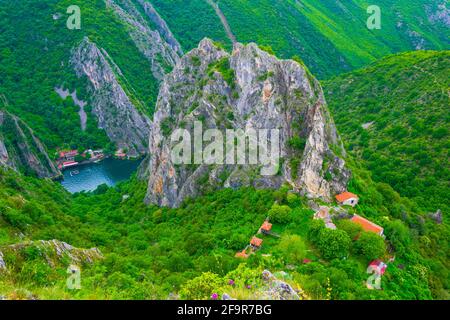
(293, 248)
(244, 276)
(314, 230)
(297, 143)
(201, 287)
(267, 48)
(292, 198)
(333, 244)
(280, 214)
(351, 228)
(370, 245)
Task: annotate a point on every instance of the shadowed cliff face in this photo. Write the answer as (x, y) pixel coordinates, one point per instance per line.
(247, 89)
(21, 150)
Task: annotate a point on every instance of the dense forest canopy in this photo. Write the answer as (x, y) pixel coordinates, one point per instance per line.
(397, 121)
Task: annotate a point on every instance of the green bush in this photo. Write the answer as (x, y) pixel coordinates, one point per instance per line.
(280, 214)
(333, 244)
(292, 248)
(202, 287)
(370, 245)
(351, 228)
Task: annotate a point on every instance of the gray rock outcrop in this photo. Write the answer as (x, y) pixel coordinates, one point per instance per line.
(277, 289)
(53, 251)
(161, 26)
(116, 114)
(247, 89)
(20, 150)
(437, 216)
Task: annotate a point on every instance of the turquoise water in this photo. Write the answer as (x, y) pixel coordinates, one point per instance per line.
(90, 176)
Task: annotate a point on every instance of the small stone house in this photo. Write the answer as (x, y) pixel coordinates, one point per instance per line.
(347, 199)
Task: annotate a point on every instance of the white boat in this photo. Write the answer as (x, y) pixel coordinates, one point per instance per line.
(74, 173)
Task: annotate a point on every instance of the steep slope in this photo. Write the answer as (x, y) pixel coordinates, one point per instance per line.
(253, 91)
(21, 150)
(115, 111)
(330, 35)
(394, 115)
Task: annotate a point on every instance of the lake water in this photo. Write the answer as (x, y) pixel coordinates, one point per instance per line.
(90, 176)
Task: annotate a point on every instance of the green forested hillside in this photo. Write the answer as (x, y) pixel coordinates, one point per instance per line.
(152, 252)
(35, 48)
(403, 102)
(330, 36)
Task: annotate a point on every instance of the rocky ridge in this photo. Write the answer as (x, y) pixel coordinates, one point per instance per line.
(161, 26)
(115, 112)
(247, 89)
(21, 150)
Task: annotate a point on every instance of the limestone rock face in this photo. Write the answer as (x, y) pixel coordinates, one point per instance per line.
(161, 26)
(53, 251)
(247, 89)
(21, 150)
(116, 114)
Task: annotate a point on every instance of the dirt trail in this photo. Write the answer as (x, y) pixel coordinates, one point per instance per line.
(224, 21)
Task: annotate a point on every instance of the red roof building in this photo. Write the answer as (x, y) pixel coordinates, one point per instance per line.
(71, 153)
(367, 225)
(256, 242)
(266, 226)
(241, 254)
(68, 164)
(347, 198)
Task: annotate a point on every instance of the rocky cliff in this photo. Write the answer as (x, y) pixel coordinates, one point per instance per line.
(161, 55)
(115, 112)
(247, 89)
(21, 150)
(161, 26)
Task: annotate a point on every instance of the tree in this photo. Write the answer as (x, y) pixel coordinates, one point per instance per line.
(352, 229)
(398, 234)
(293, 248)
(292, 198)
(370, 245)
(280, 214)
(314, 230)
(333, 244)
